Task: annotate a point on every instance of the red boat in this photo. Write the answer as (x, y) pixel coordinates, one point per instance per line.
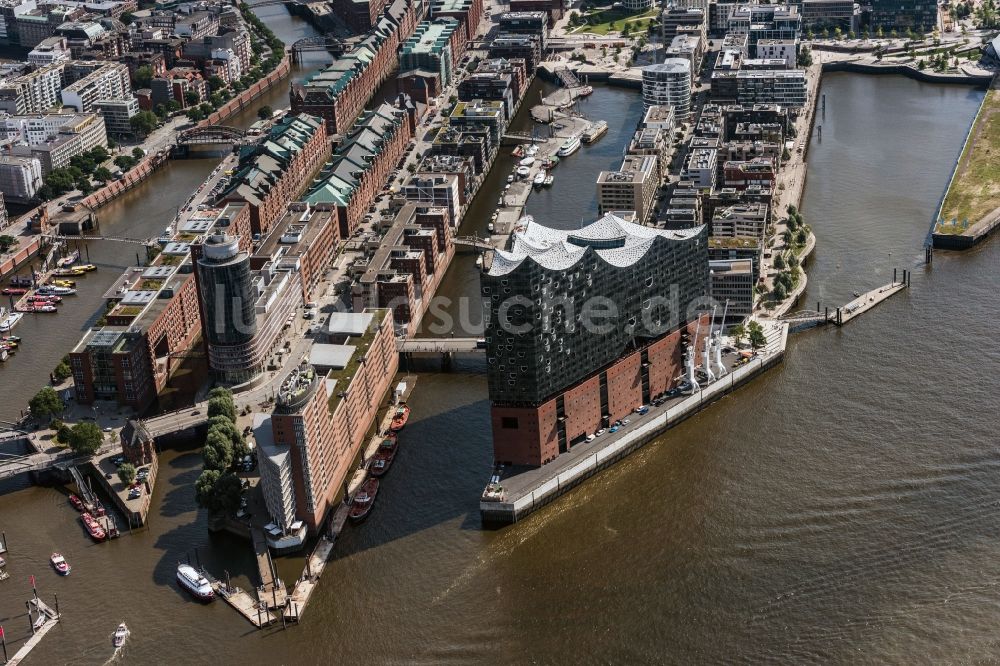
(399, 418)
(14, 291)
(36, 298)
(77, 503)
(363, 502)
(384, 456)
(60, 564)
(97, 532)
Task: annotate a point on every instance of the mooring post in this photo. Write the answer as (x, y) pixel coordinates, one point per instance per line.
(894, 276)
(3, 642)
(31, 623)
(58, 614)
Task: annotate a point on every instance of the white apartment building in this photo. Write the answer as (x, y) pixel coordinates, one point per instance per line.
(110, 81)
(20, 178)
(33, 92)
(668, 82)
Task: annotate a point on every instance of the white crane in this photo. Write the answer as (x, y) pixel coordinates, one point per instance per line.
(691, 352)
(720, 367)
(706, 356)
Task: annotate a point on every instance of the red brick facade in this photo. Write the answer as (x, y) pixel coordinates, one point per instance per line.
(529, 435)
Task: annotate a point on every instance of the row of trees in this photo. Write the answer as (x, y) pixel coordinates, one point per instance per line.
(82, 170)
(218, 488)
(753, 332)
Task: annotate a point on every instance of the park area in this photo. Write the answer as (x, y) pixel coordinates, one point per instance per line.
(603, 21)
(974, 192)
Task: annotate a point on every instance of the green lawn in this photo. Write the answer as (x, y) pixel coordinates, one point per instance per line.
(975, 190)
(638, 22)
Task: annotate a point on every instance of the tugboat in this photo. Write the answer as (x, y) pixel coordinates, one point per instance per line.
(121, 635)
(77, 503)
(194, 582)
(60, 564)
(94, 528)
(400, 418)
(384, 456)
(363, 502)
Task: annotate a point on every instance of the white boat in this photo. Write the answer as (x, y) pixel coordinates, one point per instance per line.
(523, 171)
(570, 146)
(479, 261)
(510, 178)
(539, 178)
(52, 289)
(10, 321)
(121, 634)
(194, 582)
(527, 161)
(531, 151)
(549, 179)
(489, 227)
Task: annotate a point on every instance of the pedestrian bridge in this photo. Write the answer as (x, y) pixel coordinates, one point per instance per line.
(440, 345)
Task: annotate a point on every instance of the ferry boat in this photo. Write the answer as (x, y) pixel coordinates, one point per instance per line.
(15, 291)
(540, 178)
(94, 528)
(36, 307)
(121, 635)
(36, 298)
(194, 582)
(363, 501)
(10, 321)
(595, 131)
(77, 503)
(570, 146)
(69, 272)
(86, 268)
(384, 456)
(60, 564)
(400, 418)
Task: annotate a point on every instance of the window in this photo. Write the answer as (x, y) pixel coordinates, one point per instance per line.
(508, 422)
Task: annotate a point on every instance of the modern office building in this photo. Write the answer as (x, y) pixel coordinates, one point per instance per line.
(700, 168)
(435, 46)
(758, 22)
(741, 220)
(829, 14)
(668, 82)
(732, 286)
(632, 187)
(776, 49)
(781, 87)
(918, 15)
(689, 47)
(582, 327)
(118, 114)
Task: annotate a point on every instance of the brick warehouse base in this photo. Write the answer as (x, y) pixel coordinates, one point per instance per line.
(532, 435)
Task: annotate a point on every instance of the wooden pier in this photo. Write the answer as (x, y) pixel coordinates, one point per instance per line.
(841, 315)
(257, 613)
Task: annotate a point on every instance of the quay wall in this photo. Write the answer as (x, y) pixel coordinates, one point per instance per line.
(132, 178)
(136, 516)
(243, 100)
(502, 513)
(11, 262)
(908, 71)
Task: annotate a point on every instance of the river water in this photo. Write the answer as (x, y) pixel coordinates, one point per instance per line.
(842, 508)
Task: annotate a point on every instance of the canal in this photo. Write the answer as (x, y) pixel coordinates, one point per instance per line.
(843, 504)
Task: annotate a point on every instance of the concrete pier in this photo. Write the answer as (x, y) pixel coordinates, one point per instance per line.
(47, 618)
(865, 302)
(521, 491)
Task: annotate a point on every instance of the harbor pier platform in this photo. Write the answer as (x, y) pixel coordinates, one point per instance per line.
(517, 492)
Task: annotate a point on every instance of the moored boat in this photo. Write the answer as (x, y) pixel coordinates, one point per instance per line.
(595, 131)
(363, 501)
(60, 564)
(584, 91)
(539, 179)
(384, 456)
(51, 289)
(69, 259)
(569, 146)
(94, 528)
(400, 418)
(77, 503)
(15, 291)
(10, 321)
(523, 172)
(70, 284)
(549, 179)
(527, 162)
(194, 582)
(68, 272)
(517, 152)
(121, 635)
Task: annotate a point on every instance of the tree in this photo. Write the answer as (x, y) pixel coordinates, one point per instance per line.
(801, 237)
(204, 486)
(756, 335)
(779, 262)
(45, 403)
(63, 432)
(124, 162)
(921, 64)
(6, 242)
(217, 453)
(779, 292)
(99, 154)
(738, 332)
(86, 438)
(265, 112)
(143, 75)
(102, 174)
(191, 97)
(138, 153)
(126, 474)
(195, 114)
(143, 123)
(215, 83)
(220, 402)
(62, 371)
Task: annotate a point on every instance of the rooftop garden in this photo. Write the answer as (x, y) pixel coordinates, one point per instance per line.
(343, 376)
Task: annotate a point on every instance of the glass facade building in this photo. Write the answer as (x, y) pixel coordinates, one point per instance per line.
(226, 292)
